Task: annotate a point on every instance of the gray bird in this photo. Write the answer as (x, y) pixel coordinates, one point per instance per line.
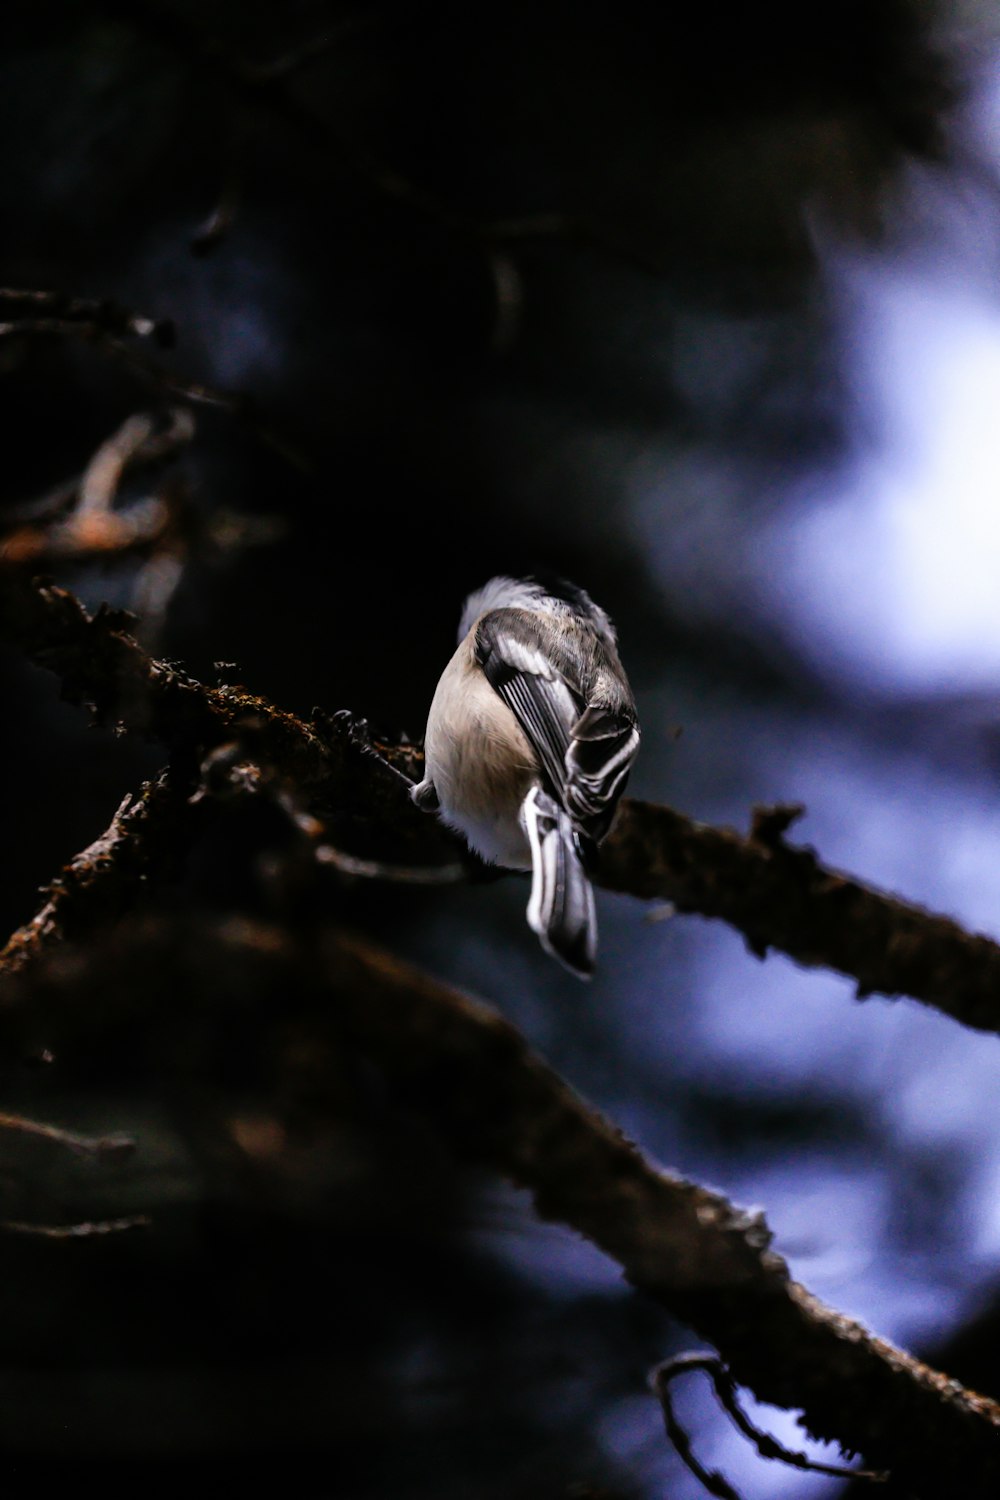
(530, 739)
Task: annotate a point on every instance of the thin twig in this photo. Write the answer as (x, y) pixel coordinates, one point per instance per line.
(714, 1482)
(104, 473)
(766, 1445)
(39, 311)
(142, 440)
(92, 527)
(104, 1147)
(86, 1230)
(146, 835)
(104, 536)
(332, 761)
(85, 520)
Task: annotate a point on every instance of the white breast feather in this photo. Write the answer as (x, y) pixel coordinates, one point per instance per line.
(482, 775)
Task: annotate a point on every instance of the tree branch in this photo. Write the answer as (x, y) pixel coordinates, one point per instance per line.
(782, 897)
(707, 1262)
(104, 1147)
(147, 836)
(27, 310)
(768, 1447)
(88, 1229)
(99, 663)
(777, 895)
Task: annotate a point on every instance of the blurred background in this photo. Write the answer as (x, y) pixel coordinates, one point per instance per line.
(699, 307)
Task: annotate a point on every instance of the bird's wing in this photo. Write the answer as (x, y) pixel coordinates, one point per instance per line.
(539, 694)
(584, 737)
(602, 748)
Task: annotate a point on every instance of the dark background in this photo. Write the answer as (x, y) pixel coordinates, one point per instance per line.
(621, 291)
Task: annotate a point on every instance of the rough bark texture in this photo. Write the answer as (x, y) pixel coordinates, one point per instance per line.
(780, 896)
(499, 1105)
(777, 895)
(706, 1261)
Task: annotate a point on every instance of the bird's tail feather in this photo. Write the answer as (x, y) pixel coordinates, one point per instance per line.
(561, 908)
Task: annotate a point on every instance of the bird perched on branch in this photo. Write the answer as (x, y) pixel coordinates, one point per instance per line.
(530, 738)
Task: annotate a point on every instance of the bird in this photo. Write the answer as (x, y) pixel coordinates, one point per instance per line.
(530, 739)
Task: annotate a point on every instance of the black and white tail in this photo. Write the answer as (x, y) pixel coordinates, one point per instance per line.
(561, 908)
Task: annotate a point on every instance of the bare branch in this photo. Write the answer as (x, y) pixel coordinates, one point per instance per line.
(87, 520)
(332, 760)
(88, 1229)
(725, 1389)
(707, 1262)
(104, 1147)
(711, 1480)
(104, 473)
(777, 895)
(27, 310)
(146, 836)
(92, 528)
(780, 896)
